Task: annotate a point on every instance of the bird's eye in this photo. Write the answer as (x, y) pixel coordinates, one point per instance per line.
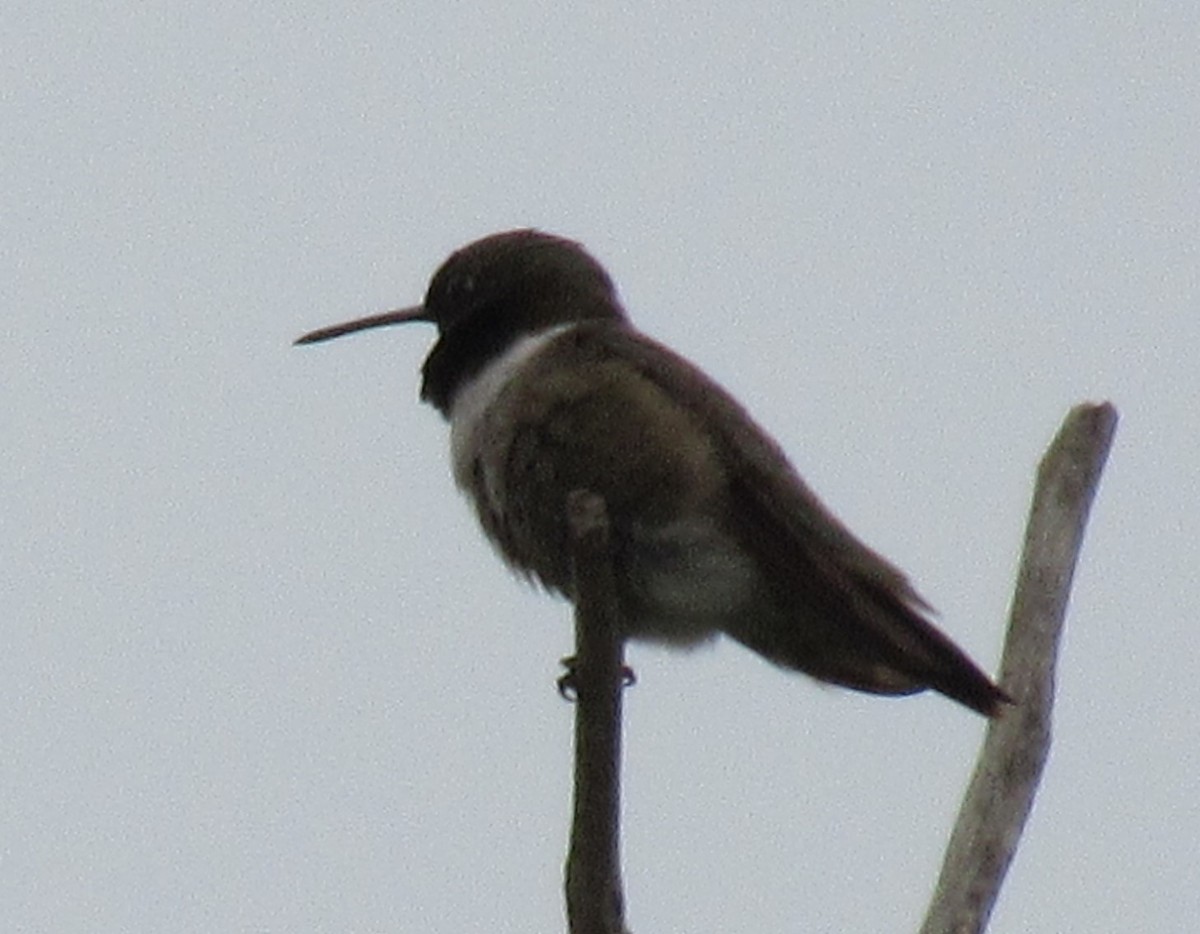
(459, 287)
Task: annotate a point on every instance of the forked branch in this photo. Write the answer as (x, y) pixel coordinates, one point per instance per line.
(1001, 792)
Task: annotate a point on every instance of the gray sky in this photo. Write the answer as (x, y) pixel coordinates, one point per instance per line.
(261, 673)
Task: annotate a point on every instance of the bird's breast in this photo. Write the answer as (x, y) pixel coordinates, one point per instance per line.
(551, 415)
(474, 406)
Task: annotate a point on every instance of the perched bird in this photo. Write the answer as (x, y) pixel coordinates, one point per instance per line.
(548, 388)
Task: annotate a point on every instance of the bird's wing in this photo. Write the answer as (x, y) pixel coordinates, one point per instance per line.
(861, 615)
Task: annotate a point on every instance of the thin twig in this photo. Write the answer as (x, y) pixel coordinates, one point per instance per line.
(595, 900)
(1001, 792)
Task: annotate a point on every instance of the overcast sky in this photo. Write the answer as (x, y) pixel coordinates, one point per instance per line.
(260, 672)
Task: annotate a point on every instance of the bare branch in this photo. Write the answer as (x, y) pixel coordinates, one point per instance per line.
(1001, 792)
(595, 900)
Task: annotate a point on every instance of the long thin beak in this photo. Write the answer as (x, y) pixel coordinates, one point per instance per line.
(400, 316)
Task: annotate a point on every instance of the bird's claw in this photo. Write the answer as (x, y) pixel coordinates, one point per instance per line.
(567, 687)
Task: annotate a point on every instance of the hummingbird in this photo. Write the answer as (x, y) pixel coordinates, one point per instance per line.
(548, 388)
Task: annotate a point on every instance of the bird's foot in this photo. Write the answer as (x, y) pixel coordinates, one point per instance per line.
(567, 682)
